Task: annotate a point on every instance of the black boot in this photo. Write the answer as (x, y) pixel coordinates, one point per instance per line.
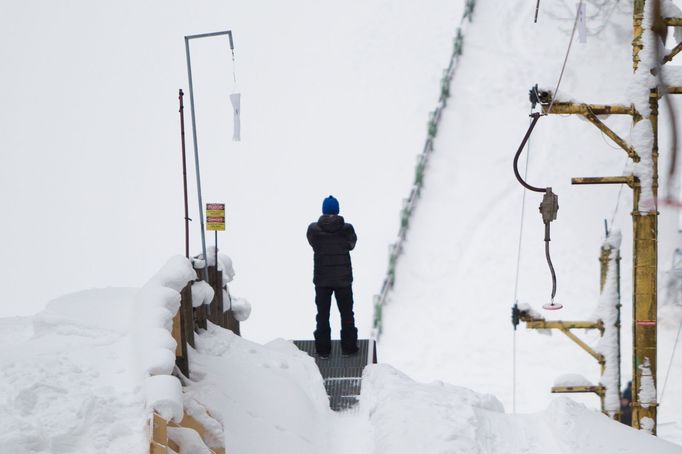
(349, 340)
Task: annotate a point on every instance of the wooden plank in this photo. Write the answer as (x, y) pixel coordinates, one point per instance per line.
(157, 448)
(231, 323)
(187, 315)
(200, 313)
(159, 430)
(599, 390)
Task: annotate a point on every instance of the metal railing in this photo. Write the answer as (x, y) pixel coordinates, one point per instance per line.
(409, 204)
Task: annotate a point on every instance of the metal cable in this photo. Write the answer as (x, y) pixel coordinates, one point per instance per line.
(537, 8)
(518, 268)
(672, 356)
(514, 373)
(234, 68)
(568, 51)
(620, 191)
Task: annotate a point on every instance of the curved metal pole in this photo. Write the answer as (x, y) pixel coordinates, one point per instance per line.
(535, 116)
(194, 137)
(549, 261)
(196, 158)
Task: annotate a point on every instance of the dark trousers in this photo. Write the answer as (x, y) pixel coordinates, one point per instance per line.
(349, 333)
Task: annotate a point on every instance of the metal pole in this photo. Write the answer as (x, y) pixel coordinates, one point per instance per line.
(184, 170)
(196, 159)
(194, 137)
(645, 261)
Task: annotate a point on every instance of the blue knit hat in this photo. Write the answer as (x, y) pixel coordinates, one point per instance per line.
(330, 206)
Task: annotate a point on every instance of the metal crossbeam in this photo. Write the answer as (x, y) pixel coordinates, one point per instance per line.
(599, 390)
(563, 108)
(627, 179)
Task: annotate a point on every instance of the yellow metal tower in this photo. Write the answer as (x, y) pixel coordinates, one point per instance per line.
(648, 27)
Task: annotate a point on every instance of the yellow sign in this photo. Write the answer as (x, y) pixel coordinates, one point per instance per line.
(215, 216)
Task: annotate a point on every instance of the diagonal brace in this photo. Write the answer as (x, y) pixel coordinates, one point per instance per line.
(676, 50)
(599, 357)
(592, 118)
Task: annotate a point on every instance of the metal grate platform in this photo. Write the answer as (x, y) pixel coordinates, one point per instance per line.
(342, 375)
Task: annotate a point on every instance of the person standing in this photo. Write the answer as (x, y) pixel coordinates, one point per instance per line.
(332, 239)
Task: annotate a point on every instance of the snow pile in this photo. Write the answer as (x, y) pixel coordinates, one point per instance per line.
(609, 313)
(269, 398)
(66, 385)
(155, 306)
(572, 380)
(164, 394)
(577, 429)
(224, 263)
(240, 307)
(202, 293)
(408, 417)
(188, 440)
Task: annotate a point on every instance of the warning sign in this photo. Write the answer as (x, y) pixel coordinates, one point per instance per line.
(215, 216)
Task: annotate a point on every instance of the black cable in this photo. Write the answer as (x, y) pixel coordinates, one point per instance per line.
(537, 8)
(549, 260)
(535, 117)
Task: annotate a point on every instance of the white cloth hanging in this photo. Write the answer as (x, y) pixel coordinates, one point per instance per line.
(235, 98)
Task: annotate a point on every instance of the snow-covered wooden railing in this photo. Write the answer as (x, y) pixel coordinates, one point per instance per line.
(170, 308)
(409, 204)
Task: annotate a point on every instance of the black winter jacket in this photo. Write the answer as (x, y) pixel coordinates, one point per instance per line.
(332, 240)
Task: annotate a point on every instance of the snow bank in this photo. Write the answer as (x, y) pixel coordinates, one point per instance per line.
(88, 310)
(154, 346)
(269, 398)
(578, 429)
(572, 380)
(408, 417)
(164, 395)
(66, 385)
(175, 274)
(154, 343)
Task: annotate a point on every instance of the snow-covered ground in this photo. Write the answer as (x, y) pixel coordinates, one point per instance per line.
(67, 387)
(67, 382)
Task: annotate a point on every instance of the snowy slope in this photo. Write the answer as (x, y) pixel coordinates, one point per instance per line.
(449, 317)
